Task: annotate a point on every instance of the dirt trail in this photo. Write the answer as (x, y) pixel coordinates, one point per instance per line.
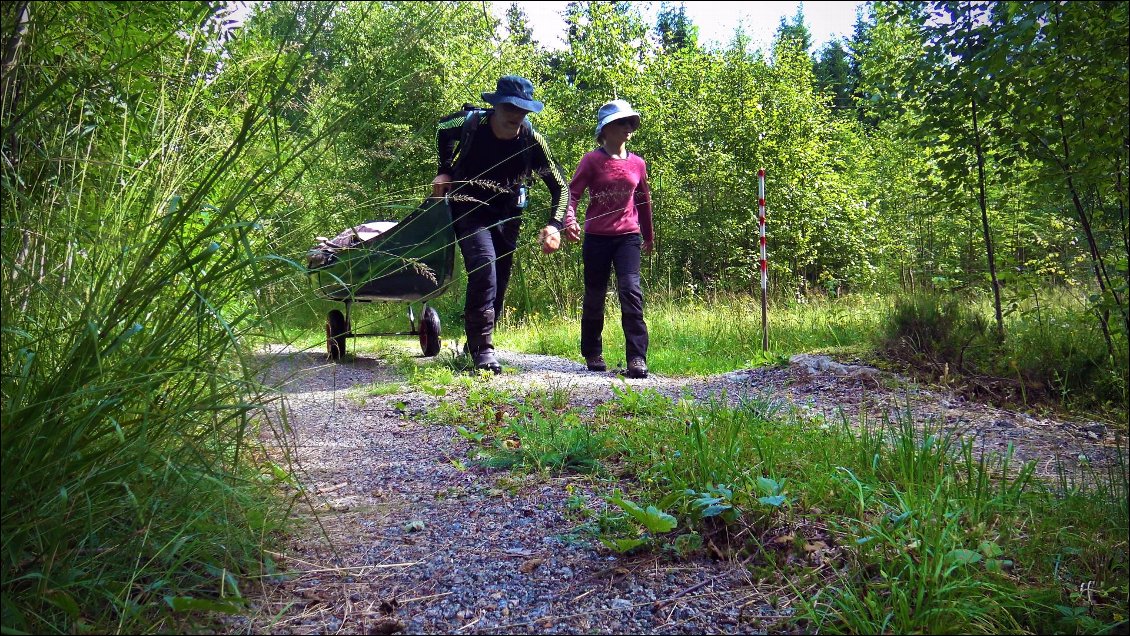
(399, 534)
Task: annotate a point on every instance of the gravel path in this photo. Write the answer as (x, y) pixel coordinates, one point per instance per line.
(398, 534)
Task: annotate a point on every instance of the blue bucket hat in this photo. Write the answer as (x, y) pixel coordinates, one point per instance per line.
(613, 110)
(516, 90)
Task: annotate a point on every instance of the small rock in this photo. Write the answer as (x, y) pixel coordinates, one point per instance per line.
(386, 626)
(621, 603)
(530, 565)
(1094, 427)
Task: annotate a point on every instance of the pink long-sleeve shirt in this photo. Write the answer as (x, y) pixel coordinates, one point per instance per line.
(619, 197)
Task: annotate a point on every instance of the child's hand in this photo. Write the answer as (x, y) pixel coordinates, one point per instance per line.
(573, 232)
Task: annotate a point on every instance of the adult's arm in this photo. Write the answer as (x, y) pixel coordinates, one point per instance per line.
(542, 163)
(577, 186)
(448, 132)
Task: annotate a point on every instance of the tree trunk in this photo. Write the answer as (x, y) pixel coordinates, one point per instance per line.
(1125, 235)
(1085, 224)
(985, 221)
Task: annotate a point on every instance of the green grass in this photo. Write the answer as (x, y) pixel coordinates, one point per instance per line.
(696, 338)
(136, 491)
(1053, 353)
(927, 537)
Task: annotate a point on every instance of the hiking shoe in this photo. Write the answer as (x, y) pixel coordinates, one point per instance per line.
(485, 360)
(596, 363)
(637, 368)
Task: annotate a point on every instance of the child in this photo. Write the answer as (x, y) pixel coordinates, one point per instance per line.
(617, 227)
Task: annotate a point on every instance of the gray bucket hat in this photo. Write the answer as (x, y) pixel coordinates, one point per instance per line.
(613, 110)
(516, 90)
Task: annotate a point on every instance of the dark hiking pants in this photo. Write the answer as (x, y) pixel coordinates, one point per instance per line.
(601, 254)
(488, 246)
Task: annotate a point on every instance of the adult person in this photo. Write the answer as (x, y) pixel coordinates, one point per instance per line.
(617, 228)
(484, 167)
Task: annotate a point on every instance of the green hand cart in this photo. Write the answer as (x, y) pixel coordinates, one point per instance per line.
(410, 261)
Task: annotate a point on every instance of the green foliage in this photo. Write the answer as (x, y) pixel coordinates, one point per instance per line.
(716, 501)
(652, 519)
(632, 402)
(647, 524)
(164, 171)
(993, 95)
(930, 534)
(137, 258)
(834, 77)
(674, 29)
(533, 432)
(385, 388)
(432, 380)
(548, 441)
(1054, 352)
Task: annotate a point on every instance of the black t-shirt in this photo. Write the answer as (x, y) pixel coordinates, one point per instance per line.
(494, 169)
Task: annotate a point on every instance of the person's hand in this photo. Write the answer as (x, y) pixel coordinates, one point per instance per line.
(573, 231)
(550, 239)
(649, 246)
(440, 185)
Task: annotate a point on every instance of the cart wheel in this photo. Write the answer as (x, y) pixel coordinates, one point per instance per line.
(336, 328)
(429, 332)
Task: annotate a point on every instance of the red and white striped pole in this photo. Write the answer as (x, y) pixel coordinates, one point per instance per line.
(764, 260)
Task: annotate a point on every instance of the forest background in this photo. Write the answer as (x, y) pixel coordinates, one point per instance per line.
(165, 169)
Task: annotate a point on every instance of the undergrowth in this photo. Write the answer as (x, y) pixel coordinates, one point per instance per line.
(876, 526)
(1052, 353)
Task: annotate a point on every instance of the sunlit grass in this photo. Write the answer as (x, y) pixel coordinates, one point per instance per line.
(1053, 349)
(137, 491)
(867, 526)
(695, 337)
(1057, 345)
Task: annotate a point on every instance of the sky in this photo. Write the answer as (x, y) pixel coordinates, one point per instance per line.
(715, 20)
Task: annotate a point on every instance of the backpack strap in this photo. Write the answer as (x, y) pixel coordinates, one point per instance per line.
(471, 121)
(527, 151)
(471, 117)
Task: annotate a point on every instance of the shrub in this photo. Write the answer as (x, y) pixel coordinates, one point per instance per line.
(934, 329)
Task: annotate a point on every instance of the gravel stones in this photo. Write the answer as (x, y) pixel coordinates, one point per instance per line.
(395, 533)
